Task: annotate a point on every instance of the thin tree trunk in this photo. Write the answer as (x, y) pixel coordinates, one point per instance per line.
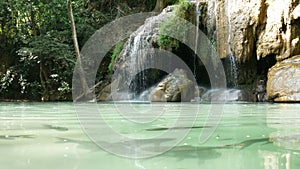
(43, 79)
(84, 85)
(33, 23)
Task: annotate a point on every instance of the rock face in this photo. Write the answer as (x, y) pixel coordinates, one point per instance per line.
(281, 35)
(105, 94)
(174, 88)
(234, 25)
(283, 81)
(269, 27)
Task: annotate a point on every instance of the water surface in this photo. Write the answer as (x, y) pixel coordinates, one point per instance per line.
(249, 136)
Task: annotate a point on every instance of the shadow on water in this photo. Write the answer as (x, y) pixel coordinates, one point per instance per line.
(87, 145)
(179, 152)
(189, 152)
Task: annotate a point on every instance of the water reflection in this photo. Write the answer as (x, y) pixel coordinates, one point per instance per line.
(286, 120)
(275, 160)
(250, 136)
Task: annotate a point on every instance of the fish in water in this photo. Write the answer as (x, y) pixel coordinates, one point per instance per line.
(58, 128)
(248, 143)
(12, 137)
(175, 128)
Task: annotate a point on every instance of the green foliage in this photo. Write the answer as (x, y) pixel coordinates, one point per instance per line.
(174, 25)
(117, 50)
(40, 41)
(45, 60)
(36, 46)
(165, 41)
(55, 56)
(184, 9)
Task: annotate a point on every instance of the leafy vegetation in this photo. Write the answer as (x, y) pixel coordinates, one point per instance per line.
(117, 50)
(183, 10)
(38, 43)
(37, 52)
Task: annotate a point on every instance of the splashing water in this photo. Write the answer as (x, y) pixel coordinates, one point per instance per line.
(138, 164)
(233, 70)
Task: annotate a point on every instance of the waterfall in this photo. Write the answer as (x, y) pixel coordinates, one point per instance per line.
(232, 59)
(233, 71)
(212, 15)
(229, 7)
(134, 55)
(198, 14)
(133, 73)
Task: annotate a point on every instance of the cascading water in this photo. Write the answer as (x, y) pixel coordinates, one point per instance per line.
(134, 72)
(233, 71)
(212, 17)
(134, 56)
(198, 14)
(229, 8)
(232, 59)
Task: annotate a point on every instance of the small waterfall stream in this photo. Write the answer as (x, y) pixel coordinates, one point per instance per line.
(233, 79)
(229, 8)
(233, 71)
(198, 14)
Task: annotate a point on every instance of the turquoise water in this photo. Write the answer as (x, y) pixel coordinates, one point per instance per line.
(249, 136)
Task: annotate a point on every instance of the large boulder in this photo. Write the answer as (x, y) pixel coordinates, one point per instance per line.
(284, 81)
(174, 88)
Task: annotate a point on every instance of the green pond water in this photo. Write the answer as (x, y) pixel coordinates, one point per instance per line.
(54, 136)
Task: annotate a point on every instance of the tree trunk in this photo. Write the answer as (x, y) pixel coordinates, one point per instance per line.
(32, 20)
(160, 5)
(84, 85)
(43, 79)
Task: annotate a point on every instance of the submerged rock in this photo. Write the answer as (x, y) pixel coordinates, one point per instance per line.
(283, 81)
(174, 88)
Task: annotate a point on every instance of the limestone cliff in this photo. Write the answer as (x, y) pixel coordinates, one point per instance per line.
(256, 28)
